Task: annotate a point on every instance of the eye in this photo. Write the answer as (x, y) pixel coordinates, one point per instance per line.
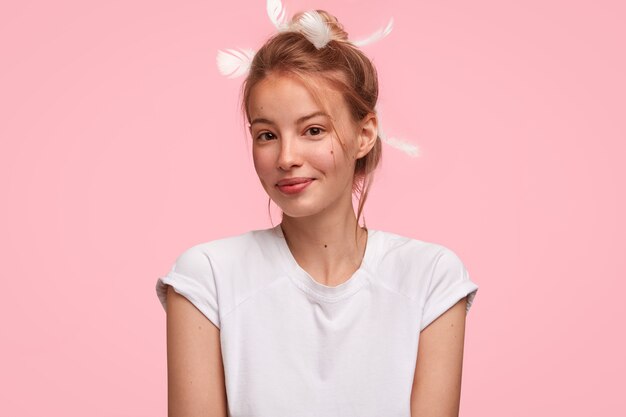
(315, 131)
(263, 136)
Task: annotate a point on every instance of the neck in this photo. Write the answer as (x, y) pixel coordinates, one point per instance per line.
(330, 249)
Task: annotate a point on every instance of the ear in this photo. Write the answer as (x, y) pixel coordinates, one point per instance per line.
(368, 133)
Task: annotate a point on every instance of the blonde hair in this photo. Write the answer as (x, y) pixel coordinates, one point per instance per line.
(341, 65)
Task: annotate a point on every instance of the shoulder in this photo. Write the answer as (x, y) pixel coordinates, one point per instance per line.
(224, 250)
(411, 251)
(227, 269)
(407, 264)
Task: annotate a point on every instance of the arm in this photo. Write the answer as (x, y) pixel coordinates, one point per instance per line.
(437, 382)
(194, 362)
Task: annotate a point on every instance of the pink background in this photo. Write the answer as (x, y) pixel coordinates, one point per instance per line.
(122, 146)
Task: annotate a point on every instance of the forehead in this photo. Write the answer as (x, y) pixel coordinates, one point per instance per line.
(289, 96)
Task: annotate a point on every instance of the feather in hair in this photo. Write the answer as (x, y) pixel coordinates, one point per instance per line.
(234, 63)
(313, 26)
(277, 14)
(376, 36)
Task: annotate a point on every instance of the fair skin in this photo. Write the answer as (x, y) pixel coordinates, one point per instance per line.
(291, 140)
(195, 372)
(318, 222)
(437, 381)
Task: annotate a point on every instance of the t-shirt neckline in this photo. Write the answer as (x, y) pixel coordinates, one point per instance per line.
(320, 291)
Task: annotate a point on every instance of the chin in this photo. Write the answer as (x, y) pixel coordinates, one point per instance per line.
(297, 212)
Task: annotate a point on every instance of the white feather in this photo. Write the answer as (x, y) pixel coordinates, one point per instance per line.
(234, 63)
(404, 146)
(376, 36)
(277, 14)
(312, 25)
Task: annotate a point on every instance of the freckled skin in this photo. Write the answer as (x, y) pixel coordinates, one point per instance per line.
(285, 148)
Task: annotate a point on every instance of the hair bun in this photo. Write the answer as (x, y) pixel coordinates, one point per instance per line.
(336, 28)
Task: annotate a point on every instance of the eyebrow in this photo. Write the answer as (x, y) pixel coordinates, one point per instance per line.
(300, 120)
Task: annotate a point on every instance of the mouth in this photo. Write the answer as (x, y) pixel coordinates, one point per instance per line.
(293, 181)
(293, 185)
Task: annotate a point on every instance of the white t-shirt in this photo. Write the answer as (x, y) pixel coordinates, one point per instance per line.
(293, 347)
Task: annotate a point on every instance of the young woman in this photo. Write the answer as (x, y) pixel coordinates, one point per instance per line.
(317, 316)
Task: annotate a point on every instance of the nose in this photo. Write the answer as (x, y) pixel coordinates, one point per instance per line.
(288, 156)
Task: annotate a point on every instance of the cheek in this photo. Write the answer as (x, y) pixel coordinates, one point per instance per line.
(325, 158)
(263, 171)
(261, 160)
(331, 160)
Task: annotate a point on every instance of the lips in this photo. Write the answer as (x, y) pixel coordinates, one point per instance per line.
(292, 186)
(292, 181)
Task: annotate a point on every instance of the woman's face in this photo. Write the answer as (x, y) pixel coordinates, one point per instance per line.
(298, 158)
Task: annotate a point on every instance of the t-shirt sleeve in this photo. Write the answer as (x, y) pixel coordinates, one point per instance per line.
(192, 277)
(449, 283)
